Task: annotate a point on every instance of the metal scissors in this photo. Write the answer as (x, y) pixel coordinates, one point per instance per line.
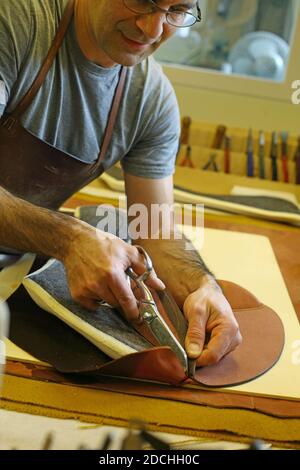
(150, 314)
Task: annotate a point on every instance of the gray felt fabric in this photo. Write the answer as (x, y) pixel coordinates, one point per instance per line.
(273, 204)
(106, 319)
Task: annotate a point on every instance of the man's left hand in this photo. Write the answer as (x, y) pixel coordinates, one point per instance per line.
(213, 330)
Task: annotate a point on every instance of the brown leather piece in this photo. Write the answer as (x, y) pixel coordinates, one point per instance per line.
(31, 329)
(157, 364)
(263, 342)
(257, 354)
(277, 407)
(45, 177)
(237, 296)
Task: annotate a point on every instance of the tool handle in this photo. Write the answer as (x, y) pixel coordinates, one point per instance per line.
(274, 169)
(227, 161)
(219, 137)
(297, 162)
(250, 165)
(285, 169)
(185, 130)
(227, 154)
(262, 173)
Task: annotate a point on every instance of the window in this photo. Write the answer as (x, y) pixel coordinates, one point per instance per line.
(240, 100)
(250, 38)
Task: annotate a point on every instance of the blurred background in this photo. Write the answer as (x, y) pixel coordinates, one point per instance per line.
(237, 37)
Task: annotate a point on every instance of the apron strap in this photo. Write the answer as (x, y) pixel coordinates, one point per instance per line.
(112, 118)
(31, 93)
(14, 116)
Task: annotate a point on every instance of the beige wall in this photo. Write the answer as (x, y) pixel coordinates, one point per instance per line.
(238, 110)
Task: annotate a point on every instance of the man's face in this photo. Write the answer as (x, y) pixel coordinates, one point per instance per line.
(124, 37)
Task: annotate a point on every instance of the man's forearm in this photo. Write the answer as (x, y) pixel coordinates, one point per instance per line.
(26, 227)
(183, 271)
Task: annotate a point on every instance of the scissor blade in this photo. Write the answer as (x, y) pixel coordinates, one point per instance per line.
(164, 335)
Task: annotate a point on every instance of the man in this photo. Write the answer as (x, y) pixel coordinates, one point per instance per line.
(53, 136)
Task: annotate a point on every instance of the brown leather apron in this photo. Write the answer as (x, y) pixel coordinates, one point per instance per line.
(34, 170)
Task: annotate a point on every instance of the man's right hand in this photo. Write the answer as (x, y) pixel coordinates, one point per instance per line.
(96, 263)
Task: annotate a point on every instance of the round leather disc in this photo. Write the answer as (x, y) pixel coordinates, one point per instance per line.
(263, 341)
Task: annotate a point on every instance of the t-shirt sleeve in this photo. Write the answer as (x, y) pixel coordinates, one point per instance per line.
(154, 152)
(15, 25)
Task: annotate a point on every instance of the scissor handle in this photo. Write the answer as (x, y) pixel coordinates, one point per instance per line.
(149, 267)
(140, 280)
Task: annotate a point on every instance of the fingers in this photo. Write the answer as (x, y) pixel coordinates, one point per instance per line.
(87, 303)
(119, 294)
(92, 301)
(212, 315)
(123, 291)
(195, 336)
(154, 282)
(138, 264)
(116, 292)
(103, 278)
(125, 296)
(221, 343)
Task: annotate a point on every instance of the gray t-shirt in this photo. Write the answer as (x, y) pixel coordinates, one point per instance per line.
(71, 109)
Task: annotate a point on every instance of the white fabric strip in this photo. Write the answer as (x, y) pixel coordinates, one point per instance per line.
(12, 276)
(2, 93)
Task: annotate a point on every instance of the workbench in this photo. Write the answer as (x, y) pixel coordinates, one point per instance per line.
(39, 390)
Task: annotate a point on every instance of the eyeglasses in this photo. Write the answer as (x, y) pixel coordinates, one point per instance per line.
(177, 18)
